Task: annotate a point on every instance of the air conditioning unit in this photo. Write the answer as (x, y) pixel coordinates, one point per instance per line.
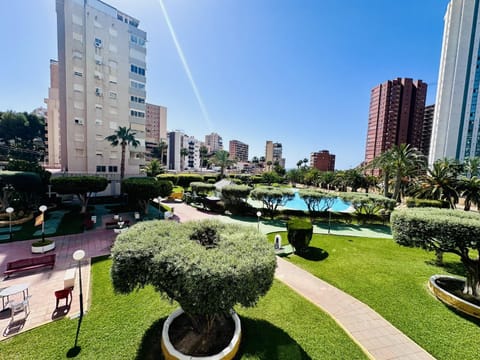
(98, 43)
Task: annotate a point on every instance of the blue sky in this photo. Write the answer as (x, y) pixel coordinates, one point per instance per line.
(295, 72)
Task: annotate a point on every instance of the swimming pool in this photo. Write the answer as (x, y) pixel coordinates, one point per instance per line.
(297, 203)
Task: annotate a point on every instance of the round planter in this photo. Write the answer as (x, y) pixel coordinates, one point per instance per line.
(170, 353)
(43, 249)
(450, 299)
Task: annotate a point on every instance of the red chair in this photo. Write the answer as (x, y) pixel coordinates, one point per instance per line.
(64, 294)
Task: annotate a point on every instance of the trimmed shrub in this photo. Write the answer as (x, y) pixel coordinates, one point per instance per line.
(414, 202)
(184, 180)
(201, 188)
(300, 233)
(170, 177)
(181, 260)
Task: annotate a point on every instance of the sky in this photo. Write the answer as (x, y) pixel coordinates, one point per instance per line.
(298, 72)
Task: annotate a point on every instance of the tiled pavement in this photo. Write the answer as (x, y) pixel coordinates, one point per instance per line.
(377, 337)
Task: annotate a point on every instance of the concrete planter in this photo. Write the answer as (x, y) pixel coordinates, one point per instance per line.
(450, 299)
(170, 353)
(43, 249)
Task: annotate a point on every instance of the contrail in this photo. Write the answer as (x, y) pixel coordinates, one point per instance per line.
(186, 67)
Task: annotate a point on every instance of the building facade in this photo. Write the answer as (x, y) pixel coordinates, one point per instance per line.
(192, 161)
(102, 79)
(238, 150)
(155, 128)
(456, 122)
(177, 140)
(427, 129)
(322, 160)
(274, 153)
(395, 116)
(213, 142)
(52, 126)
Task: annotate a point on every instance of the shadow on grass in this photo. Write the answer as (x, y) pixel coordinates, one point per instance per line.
(451, 267)
(313, 254)
(260, 340)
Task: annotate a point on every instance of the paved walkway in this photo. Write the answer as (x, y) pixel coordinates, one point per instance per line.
(377, 337)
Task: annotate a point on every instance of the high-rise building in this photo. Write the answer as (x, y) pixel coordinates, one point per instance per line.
(52, 126)
(155, 127)
(273, 153)
(192, 161)
(395, 115)
(427, 129)
(238, 150)
(456, 122)
(322, 160)
(213, 142)
(101, 78)
(177, 140)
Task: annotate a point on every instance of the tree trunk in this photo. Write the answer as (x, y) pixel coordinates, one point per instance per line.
(385, 183)
(472, 283)
(84, 200)
(396, 191)
(438, 257)
(467, 205)
(122, 163)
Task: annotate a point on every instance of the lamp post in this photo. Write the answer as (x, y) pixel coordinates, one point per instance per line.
(43, 208)
(78, 256)
(329, 219)
(9, 211)
(159, 206)
(259, 213)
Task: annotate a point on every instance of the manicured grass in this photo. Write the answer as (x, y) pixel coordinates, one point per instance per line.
(282, 326)
(393, 281)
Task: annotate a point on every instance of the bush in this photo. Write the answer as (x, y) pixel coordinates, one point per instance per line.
(181, 260)
(299, 234)
(413, 202)
(184, 180)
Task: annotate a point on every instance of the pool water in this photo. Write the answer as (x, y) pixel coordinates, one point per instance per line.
(297, 203)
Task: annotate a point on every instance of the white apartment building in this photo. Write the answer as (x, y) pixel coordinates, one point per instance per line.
(456, 123)
(102, 86)
(177, 140)
(193, 160)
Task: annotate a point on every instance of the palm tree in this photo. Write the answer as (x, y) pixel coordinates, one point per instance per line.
(153, 168)
(203, 155)
(222, 158)
(472, 166)
(123, 137)
(183, 153)
(299, 163)
(470, 190)
(162, 150)
(440, 183)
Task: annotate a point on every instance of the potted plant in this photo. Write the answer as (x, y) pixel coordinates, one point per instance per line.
(42, 246)
(208, 267)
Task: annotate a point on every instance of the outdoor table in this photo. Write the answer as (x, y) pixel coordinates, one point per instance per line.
(12, 290)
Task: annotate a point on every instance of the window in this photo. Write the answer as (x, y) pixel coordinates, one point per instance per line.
(137, 70)
(98, 60)
(77, 55)
(101, 168)
(98, 106)
(79, 137)
(112, 95)
(77, 36)
(137, 113)
(78, 121)
(113, 169)
(137, 99)
(137, 85)
(98, 91)
(98, 43)
(99, 122)
(78, 73)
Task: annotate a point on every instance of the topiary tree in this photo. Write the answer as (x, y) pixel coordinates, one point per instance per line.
(272, 197)
(317, 200)
(181, 260)
(82, 186)
(23, 186)
(368, 205)
(142, 189)
(443, 230)
(201, 188)
(235, 198)
(299, 234)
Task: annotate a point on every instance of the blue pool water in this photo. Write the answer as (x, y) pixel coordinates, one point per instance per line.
(297, 203)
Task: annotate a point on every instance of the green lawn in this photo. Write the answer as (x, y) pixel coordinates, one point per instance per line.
(282, 326)
(393, 280)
